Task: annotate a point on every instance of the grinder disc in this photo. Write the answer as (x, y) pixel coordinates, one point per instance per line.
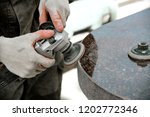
(75, 55)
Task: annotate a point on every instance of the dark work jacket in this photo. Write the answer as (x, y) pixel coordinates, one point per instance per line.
(26, 13)
(18, 17)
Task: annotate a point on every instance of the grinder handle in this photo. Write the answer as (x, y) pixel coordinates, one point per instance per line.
(47, 26)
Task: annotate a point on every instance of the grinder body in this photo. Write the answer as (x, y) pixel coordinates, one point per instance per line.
(59, 43)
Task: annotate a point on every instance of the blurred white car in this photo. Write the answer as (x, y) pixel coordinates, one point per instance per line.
(90, 14)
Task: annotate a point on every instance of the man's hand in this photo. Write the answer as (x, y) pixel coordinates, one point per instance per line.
(20, 57)
(58, 10)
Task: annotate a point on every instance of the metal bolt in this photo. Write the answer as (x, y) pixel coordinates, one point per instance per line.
(140, 53)
(142, 46)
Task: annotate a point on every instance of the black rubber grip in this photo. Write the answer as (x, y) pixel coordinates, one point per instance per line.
(47, 26)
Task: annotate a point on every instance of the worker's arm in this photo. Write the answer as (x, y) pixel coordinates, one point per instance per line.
(58, 10)
(20, 57)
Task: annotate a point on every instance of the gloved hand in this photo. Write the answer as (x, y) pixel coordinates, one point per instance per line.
(20, 57)
(58, 10)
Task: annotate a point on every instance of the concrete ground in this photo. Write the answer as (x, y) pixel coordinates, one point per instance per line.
(70, 86)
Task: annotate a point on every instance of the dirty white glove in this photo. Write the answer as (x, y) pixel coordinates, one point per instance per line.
(58, 10)
(20, 57)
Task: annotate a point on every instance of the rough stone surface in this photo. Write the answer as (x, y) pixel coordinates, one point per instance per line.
(115, 75)
(88, 61)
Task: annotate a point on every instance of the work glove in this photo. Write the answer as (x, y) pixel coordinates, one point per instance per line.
(19, 56)
(58, 10)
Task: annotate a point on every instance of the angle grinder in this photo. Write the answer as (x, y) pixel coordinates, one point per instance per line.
(59, 43)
